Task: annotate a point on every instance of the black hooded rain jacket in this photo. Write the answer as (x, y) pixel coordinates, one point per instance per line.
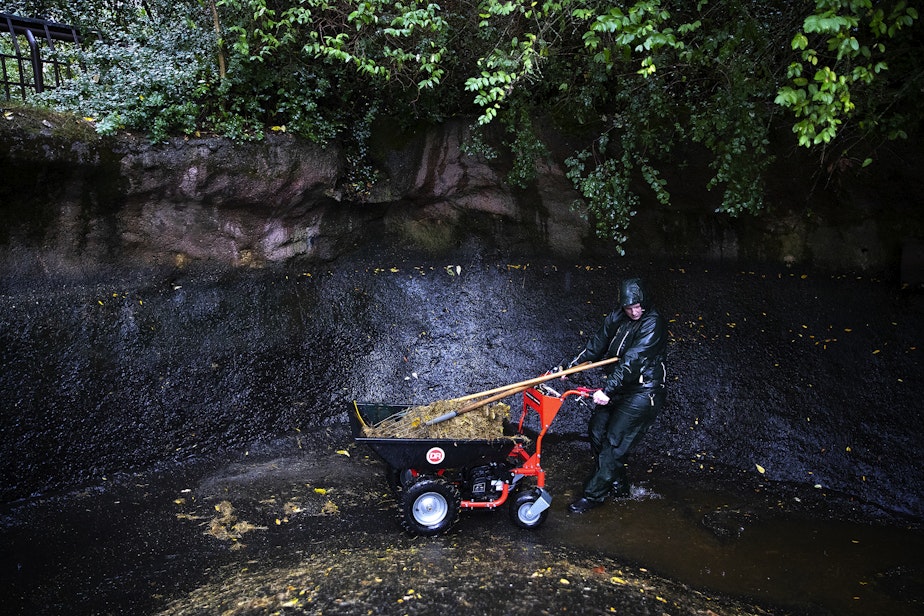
(641, 345)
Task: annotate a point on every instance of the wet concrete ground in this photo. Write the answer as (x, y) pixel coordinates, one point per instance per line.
(308, 526)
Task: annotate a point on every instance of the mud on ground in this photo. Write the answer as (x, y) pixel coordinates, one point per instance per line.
(309, 526)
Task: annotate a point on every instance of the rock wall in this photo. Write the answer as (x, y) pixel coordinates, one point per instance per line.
(815, 378)
(75, 199)
(115, 360)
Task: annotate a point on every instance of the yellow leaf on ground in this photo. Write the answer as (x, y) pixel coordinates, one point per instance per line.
(760, 469)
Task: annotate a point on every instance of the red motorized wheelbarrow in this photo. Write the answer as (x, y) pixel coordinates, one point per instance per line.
(434, 479)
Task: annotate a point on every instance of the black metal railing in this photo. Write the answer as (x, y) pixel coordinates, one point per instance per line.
(32, 69)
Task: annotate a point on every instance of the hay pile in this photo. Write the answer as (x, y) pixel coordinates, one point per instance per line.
(485, 423)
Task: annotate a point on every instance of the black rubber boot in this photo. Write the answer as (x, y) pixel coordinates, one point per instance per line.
(583, 505)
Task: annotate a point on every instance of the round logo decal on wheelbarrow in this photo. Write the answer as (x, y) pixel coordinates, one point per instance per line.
(436, 455)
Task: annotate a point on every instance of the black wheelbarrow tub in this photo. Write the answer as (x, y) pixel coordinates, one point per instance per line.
(423, 454)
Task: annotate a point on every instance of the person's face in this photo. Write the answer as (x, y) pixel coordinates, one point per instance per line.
(634, 311)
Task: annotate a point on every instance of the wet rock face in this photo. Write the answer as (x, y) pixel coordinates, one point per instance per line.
(798, 377)
(129, 340)
(85, 199)
(260, 202)
(211, 199)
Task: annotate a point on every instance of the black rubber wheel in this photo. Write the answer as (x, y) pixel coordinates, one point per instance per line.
(519, 510)
(430, 506)
(399, 479)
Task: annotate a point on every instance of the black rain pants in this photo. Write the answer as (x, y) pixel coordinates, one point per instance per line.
(615, 429)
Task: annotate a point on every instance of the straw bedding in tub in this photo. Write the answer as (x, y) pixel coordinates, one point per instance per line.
(484, 423)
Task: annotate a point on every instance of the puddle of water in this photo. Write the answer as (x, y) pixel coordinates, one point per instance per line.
(103, 549)
(823, 566)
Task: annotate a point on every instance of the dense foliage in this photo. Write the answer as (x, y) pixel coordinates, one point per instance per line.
(637, 81)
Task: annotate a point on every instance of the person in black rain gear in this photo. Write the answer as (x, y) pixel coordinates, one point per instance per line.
(632, 393)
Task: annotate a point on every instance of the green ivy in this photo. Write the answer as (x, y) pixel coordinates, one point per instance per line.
(631, 84)
(841, 49)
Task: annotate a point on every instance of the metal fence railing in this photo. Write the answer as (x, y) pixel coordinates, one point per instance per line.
(29, 60)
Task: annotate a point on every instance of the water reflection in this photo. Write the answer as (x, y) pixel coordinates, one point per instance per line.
(710, 541)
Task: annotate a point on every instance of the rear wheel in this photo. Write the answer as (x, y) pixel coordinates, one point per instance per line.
(430, 506)
(399, 479)
(521, 512)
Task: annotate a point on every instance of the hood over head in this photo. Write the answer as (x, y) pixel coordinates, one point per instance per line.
(632, 291)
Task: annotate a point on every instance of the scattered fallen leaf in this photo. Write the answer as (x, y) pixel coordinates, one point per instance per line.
(343, 452)
(186, 516)
(291, 507)
(329, 508)
(760, 469)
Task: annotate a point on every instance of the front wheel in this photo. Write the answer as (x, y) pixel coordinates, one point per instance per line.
(524, 514)
(430, 506)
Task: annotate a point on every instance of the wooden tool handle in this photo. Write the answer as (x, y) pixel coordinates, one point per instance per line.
(540, 379)
(514, 388)
(476, 405)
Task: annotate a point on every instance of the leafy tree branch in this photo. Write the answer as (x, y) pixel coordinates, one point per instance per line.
(635, 83)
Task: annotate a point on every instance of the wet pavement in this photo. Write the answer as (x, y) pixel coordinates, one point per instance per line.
(309, 526)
